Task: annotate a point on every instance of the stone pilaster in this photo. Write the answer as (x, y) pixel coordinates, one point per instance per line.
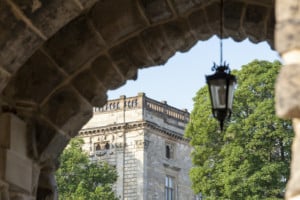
(287, 42)
(16, 168)
(23, 174)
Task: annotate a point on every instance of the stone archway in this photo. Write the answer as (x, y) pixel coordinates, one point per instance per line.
(59, 58)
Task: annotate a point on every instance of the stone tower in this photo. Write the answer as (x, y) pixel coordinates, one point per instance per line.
(143, 139)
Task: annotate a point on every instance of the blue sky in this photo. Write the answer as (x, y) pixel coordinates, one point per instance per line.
(184, 74)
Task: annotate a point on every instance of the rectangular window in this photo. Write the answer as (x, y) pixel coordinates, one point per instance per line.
(169, 188)
(169, 150)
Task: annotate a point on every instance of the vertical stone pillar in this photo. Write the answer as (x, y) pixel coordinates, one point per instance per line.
(141, 99)
(287, 43)
(23, 177)
(47, 184)
(120, 151)
(17, 170)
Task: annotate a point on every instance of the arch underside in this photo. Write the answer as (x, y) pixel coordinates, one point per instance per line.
(59, 58)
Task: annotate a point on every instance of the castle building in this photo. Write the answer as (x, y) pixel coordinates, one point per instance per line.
(143, 139)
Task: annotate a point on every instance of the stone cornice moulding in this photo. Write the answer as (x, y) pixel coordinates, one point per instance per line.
(131, 126)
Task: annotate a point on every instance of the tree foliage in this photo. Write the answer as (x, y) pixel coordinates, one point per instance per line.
(250, 159)
(80, 179)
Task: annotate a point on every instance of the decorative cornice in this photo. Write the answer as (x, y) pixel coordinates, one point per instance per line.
(112, 128)
(171, 133)
(131, 126)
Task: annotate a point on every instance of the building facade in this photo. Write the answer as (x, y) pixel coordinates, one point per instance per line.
(143, 139)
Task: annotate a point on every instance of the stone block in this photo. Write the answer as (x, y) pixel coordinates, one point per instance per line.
(4, 78)
(123, 19)
(35, 80)
(61, 106)
(89, 87)
(2, 165)
(88, 3)
(13, 133)
(35, 177)
(104, 70)
(233, 13)
(8, 22)
(80, 44)
(18, 170)
(40, 139)
(213, 17)
(254, 22)
(49, 16)
(156, 45)
(287, 10)
(183, 6)
(287, 36)
(55, 147)
(4, 194)
(67, 110)
(17, 41)
(199, 25)
(136, 52)
(157, 10)
(287, 92)
(292, 188)
(295, 198)
(20, 196)
(124, 64)
(179, 35)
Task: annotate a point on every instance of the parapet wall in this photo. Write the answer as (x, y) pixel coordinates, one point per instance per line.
(139, 108)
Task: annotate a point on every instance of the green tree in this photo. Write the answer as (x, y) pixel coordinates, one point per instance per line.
(250, 159)
(80, 179)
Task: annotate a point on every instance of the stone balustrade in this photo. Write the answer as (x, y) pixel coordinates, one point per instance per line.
(169, 111)
(146, 104)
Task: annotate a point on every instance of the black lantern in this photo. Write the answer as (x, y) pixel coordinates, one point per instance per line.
(221, 86)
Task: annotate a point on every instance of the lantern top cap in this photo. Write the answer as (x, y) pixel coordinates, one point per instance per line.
(221, 68)
(222, 72)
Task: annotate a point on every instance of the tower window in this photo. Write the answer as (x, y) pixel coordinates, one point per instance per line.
(169, 188)
(98, 148)
(107, 146)
(169, 151)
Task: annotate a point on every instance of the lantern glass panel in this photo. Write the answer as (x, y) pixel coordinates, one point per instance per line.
(231, 88)
(218, 93)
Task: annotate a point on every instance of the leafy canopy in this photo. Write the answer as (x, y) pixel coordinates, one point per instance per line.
(80, 179)
(250, 159)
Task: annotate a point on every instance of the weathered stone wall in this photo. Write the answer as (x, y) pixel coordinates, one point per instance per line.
(124, 153)
(288, 84)
(16, 167)
(158, 166)
(22, 177)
